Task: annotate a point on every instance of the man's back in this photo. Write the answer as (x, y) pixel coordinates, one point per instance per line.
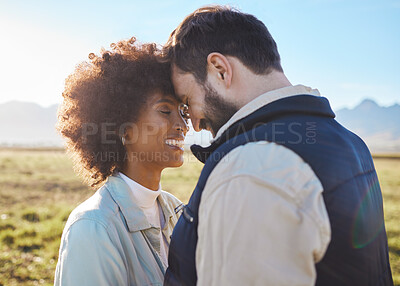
(358, 252)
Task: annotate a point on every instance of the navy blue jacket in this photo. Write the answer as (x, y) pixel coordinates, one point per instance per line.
(358, 251)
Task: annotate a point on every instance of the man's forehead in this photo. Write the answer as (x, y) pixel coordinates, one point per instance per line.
(182, 82)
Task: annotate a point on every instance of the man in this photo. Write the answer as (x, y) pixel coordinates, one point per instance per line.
(287, 195)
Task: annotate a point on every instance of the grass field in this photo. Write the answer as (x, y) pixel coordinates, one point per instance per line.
(38, 190)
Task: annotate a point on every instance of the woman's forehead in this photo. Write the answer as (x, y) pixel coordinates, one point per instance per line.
(165, 97)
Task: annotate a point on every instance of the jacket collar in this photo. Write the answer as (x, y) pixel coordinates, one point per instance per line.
(302, 104)
(167, 209)
(133, 214)
(265, 99)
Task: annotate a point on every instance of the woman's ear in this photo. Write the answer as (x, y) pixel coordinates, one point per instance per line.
(220, 67)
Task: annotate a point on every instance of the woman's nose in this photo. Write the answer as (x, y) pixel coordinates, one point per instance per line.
(182, 125)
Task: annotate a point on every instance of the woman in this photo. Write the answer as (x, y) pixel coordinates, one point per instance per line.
(123, 126)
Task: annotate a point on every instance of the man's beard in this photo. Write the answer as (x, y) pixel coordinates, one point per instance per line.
(216, 110)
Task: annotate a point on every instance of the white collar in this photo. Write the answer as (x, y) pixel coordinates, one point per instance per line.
(265, 99)
(144, 197)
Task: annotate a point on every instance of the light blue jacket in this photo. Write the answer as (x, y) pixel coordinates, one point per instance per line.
(107, 240)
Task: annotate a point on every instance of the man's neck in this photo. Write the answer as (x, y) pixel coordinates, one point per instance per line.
(253, 86)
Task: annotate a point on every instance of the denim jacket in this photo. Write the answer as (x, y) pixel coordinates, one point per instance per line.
(107, 240)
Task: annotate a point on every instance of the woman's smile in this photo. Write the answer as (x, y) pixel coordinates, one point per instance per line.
(175, 143)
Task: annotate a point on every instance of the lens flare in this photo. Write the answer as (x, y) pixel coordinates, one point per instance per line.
(368, 222)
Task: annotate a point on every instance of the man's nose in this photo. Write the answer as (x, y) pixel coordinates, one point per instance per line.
(195, 121)
(196, 124)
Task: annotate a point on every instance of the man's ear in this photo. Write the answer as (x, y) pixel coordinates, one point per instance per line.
(220, 66)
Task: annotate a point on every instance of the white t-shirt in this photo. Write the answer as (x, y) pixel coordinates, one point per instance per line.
(147, 201)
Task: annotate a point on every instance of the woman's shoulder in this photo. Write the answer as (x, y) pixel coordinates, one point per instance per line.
(100, 208)
(171, 206)
(170, 199)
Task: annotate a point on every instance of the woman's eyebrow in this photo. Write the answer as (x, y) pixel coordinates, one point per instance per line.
(166, 100)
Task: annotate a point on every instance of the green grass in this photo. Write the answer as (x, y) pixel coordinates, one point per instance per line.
(389, 178)
(38, 190)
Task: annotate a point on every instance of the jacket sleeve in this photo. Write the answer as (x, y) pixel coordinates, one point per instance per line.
(262, 220)
(88, 257)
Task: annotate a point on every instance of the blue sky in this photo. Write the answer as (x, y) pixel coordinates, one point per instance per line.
(349, 50)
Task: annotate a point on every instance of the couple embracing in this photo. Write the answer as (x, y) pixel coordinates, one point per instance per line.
(287, 195)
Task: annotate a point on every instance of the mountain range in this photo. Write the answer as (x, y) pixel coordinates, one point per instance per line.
(31, 125)
(28, 124)
(378, 126)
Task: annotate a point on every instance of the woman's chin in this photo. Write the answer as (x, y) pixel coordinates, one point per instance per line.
(175, 162)
(173, 159)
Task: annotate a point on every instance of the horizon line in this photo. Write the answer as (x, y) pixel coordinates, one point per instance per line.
(339, 108)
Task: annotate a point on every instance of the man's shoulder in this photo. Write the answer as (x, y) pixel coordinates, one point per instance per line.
(266, 163)
(269, 172)
(253, 157)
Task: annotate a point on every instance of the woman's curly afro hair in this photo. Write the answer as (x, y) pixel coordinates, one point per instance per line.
(101, 96)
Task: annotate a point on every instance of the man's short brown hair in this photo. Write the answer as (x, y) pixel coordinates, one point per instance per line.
(227, 31)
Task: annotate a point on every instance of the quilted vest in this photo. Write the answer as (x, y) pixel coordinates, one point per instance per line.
(358, 251)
